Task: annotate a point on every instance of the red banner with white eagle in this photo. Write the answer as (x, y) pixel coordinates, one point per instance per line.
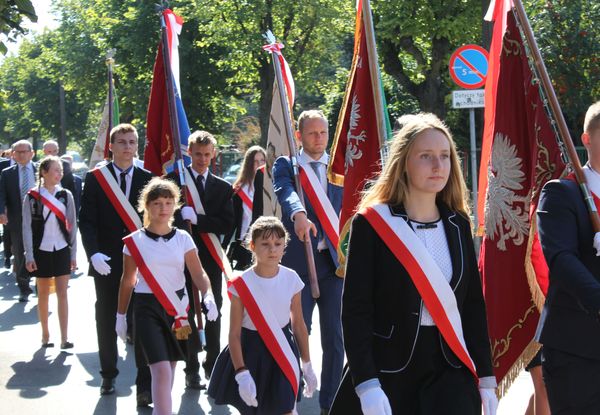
(362, 124)
(520, 153)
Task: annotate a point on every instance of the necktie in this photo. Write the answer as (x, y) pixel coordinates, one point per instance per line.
(315, 167)
(123, 182)
(200, 186)
(25, 183)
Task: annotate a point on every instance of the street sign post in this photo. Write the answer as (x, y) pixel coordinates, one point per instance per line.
(468, 68)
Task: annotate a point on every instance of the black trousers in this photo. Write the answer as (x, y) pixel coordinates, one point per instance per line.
(213, 328)
(23, 276)
(192, 365)
(107, 297)
(6, 241)
(571, 382)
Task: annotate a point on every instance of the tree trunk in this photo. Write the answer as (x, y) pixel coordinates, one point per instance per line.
(62, 141)
(267, 77)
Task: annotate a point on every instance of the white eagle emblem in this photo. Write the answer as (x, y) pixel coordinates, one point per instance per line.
(352, 150)
(506, 213)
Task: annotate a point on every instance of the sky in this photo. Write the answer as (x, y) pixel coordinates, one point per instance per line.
(45, 20)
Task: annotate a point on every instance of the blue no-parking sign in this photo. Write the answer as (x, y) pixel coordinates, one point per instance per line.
(469, 66)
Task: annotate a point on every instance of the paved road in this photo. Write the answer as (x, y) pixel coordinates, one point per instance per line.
(47, 381)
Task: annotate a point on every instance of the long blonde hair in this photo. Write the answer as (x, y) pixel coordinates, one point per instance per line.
(392, 185)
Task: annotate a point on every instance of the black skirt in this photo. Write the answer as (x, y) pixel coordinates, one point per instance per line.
(428, 385)
(152, 330)
(274, 392)
(52, 264)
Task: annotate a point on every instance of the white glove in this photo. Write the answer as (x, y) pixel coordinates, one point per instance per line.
(188, 213)
(247, 388)
(121, 326)
(489, 400)
(597, 243)
(310, 378)
(212, 312)
(374, 402)
(100, 263)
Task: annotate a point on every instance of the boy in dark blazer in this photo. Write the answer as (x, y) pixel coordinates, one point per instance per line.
(215, 194)
(102, 230)
(569, 327)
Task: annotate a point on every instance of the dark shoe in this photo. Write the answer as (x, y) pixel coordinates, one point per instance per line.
(324, 411)
(193, 382)
(47, 344)
(23, 298)
(107, 387)
(66, 345)
(7, 263)
(144, 398)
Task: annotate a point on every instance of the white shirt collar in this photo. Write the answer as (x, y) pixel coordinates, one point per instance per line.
(196, 174)
(306, 158)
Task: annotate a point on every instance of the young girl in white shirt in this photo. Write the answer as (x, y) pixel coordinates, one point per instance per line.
(154, 258)
(50, 243)
(258, 373)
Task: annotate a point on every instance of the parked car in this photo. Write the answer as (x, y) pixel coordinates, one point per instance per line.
(232, 172)
(79, 166)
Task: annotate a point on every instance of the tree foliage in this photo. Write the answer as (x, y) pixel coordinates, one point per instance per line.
(568, 35)
(12, 15)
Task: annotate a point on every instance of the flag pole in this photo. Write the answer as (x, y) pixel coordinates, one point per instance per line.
(367, 17)
(176, 142)
(289, 133)
(556, 112)
(110, 61)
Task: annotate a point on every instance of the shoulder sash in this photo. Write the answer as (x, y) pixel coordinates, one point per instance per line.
(247, 202)
(114, 193)
(56, 206)
(210, 239)
(425, 274)
(593, 184)
(329, 219)
(268, 328)
(162, 288)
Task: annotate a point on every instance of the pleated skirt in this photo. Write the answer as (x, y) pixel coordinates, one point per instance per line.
(274, 392)
(152, 330)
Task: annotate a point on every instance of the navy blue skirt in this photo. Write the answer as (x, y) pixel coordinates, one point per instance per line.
(273, 391)
(152, 331)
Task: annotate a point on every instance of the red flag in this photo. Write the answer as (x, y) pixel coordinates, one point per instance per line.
(520, 153)
(159, 153)
(362, 123)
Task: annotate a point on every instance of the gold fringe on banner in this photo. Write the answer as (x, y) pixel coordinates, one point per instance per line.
(537, 296)
(520, 364)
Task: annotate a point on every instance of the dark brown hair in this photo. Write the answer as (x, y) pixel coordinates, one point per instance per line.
(265, 227)
(247, 172)
(157, 188)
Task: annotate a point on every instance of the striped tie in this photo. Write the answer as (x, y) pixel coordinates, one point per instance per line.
(25, 184)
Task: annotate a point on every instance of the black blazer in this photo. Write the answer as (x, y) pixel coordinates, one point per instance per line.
(381, 307)
(238, 209)
(101, 226)
(218, 218)
(570, 318)
(10, 196)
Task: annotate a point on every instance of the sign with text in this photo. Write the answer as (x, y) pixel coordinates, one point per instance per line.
(472, 98)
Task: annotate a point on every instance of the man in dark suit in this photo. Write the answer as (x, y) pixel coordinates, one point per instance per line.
(215, 194)
(102, 230)
(15, 182)
(71, 181)
(5, 163)
(302, 222)
(569, 326)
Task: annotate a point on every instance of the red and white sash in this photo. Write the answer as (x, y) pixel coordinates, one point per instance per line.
(328, 218)
(257, 304)
(56, 206)
(210, 239)
(247, 202)
(126, 212)
(163, 288)
(425, 274)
